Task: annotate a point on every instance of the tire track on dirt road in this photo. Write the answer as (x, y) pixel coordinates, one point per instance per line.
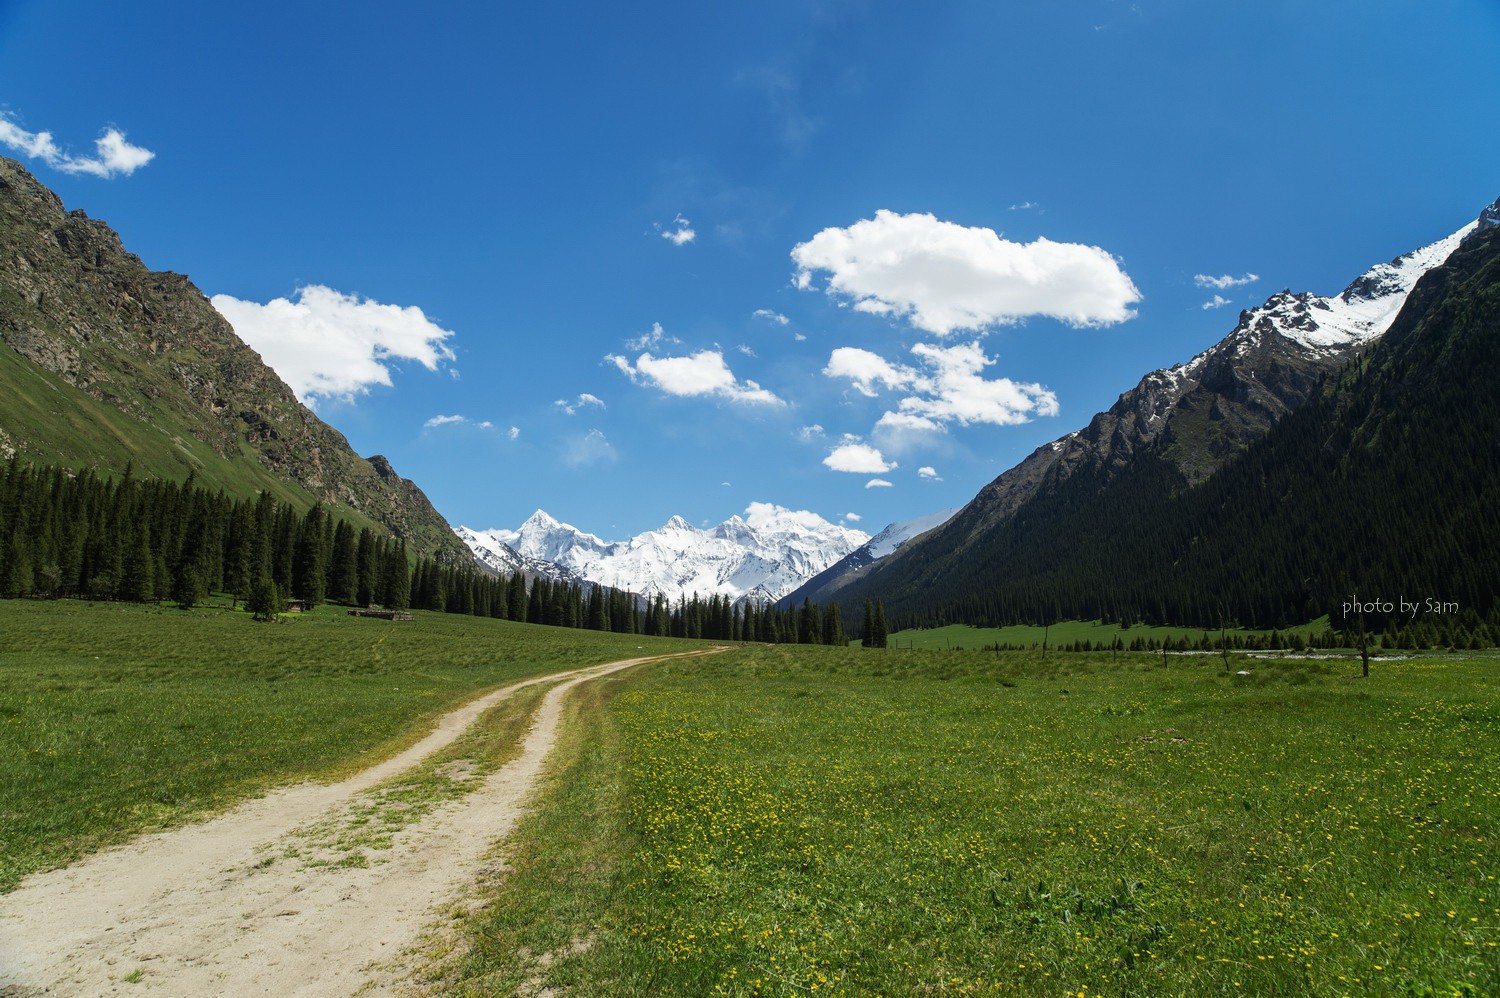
(198, 910)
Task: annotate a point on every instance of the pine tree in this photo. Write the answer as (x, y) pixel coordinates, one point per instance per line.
(265, 601)
(343, 576)
(879, 628)
(398, 597)
(138, 573)
(310, 564)
(17, 579)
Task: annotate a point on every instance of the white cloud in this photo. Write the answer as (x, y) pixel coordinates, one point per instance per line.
(957, 392)
(857, 458)
(878, 483)
(798, 337)
(943, 277)
(769, 515)
(435, 421)
(514, 432)
(680, 234)
(853, 517)
(593, 448)
(742, 348)
(1217, 301)
(330, 345)
(907, 421)
(949, 387)
(650, 341)
(810, 433)
(1025, 206)
(1227, 281)
(702, 373)
(583, 401)
(865, 369)
(770, 316)
(930, 473)
(113, 155)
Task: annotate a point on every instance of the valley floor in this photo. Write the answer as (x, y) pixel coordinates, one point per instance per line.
(765, 820)
(303, 891)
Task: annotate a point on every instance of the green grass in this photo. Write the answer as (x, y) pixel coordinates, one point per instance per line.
(53, 423)
(782, 820)
(962, 636)
(115, 718)
(58, 423)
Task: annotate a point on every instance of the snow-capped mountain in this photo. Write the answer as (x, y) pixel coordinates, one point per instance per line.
(898, 534)
(848, 568)
(1320, 326)
(1198, 414)
(763, 555)
(491, 550)
(1213, 405)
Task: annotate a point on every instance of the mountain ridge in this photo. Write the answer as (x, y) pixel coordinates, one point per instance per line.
(110, 364)
(1195, 416)
(761, 556)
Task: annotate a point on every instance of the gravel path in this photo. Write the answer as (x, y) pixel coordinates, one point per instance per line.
(199, 911)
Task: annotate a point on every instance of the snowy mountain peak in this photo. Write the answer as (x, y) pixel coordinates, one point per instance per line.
(545, 538)
(897, 534)
(1262, 367)
(1489, 218)
(763, 555)
(1363, 311)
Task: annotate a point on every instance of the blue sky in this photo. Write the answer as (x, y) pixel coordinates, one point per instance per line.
(925, 238)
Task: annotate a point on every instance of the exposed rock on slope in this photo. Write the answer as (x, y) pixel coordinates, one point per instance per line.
(1197, 415)
(161, 380)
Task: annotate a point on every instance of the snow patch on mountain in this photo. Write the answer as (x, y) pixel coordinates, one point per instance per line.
(898, 534)
(1362, 312)
(762, 555)
(1323, 325)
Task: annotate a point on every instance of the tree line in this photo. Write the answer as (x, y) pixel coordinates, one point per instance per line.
(80, 535)
(66, 534)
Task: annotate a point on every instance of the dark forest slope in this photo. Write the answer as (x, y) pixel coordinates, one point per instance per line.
(1386, 483)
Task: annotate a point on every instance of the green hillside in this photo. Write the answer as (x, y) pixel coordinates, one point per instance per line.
(60, 425)
(105, 363)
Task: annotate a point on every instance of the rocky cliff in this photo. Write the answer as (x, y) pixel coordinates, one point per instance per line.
(106, 362)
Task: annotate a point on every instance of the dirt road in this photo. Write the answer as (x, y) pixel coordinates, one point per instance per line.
(200, 910)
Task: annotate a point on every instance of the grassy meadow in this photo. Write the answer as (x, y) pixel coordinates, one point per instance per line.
(780, 820)
(115, 718)
(812, 820)
(962, 636)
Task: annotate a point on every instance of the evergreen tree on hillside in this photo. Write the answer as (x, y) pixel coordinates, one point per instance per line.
(396, 583)
(310, 564)
(17, 579)
(343, 576)
(138, 574)
(878, 627)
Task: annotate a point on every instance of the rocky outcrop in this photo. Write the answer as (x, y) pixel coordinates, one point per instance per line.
(149, 345)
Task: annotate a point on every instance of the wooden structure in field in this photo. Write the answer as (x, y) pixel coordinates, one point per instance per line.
(382, 614)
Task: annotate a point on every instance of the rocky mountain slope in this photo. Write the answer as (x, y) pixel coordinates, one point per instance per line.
(1379, 490)
(1194, 416)
(762, 556)
(826, 584)
(104, 363)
